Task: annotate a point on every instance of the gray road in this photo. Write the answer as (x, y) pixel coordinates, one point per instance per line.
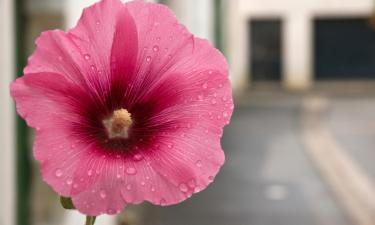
(268, 178)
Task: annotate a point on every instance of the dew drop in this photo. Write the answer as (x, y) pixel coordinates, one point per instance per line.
(131, 171)
(128, 187)
(69, 181)
(138, 157)
(220, 85)
(213, 101)
(93, 67)
(210, 72)
(225, 114)
(118, 176)
(205, 86)
(192, 183)
(148, 58)
(183, 187)
(89, 172)
(147, 178)
(87, 56)
(155, 48)
(75, 186)
(199, 163)
(103, 194)
(206, 131)
(97, 22)
(163, 202)
(152, 189)
(58, 173)
(37, 128)
(170, 145)
(143, 183)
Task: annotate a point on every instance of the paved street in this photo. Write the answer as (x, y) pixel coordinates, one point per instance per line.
(269, 177)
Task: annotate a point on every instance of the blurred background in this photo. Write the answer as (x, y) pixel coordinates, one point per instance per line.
(301, 145)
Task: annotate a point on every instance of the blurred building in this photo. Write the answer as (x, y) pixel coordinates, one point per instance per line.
(298, 42)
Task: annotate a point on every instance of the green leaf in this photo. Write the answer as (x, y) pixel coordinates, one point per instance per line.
(66, 203)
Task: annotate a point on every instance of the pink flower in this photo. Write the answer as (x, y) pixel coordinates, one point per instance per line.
(128, 106)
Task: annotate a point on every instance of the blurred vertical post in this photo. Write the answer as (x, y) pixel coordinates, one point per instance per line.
(196, 15)
(7, 68)
(23, 172)
(297, 51)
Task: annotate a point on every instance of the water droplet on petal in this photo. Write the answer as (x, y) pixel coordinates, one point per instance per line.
(147, 178)
(131, 171)
(128, 187)
(103, 194)
(89, 172)
(205, 86)
(118, 176)
(183, 187)
(210, 72)
(138, 157)
(69, 181)
(148, 58)
(206, 131)
(192, 183)
(143, 183)
(93, 67)
(87, 56)
(152, 189)
(58, 173)
(97, 22)
(155, 48)
(198, 163)
(37, 128)
(163, 202)
(170, 145)
(225, 114)
(213, 101)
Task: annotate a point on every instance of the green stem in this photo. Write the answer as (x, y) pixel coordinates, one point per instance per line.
(90, 220)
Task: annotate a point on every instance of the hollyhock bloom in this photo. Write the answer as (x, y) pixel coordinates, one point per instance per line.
(128, 106)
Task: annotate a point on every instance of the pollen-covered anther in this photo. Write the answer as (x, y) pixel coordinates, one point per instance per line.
(118, 124)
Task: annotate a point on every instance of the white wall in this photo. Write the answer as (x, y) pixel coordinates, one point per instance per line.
(7, 150)
(297, 16)
(196, 15)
